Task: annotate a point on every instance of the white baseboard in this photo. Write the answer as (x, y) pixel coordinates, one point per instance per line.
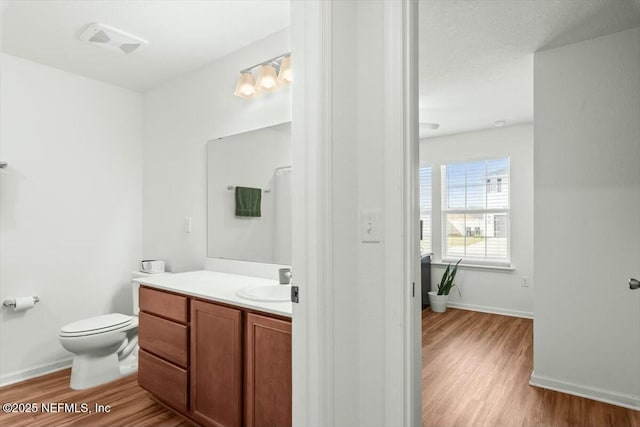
(492, 310)
(37, 371)
(625, 400)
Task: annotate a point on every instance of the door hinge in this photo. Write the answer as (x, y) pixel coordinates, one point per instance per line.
(413, 290)
(295, 293)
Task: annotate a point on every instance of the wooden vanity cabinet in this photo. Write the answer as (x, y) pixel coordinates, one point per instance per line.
(218, 365)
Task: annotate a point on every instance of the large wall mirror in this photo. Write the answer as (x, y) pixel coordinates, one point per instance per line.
(259, 159)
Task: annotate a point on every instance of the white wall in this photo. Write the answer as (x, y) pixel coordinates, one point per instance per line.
(250, 159)
(70, 205)
(179, 118)
(490, 290)
(587, 218)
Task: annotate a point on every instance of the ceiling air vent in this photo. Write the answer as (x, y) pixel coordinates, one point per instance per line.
(112, 38)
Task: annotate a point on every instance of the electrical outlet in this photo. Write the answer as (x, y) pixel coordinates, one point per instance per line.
(525, 282)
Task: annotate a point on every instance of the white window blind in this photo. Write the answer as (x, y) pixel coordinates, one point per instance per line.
(425, 209)
(476, 211)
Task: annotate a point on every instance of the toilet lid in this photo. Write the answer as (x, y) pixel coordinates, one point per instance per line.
(98, 324)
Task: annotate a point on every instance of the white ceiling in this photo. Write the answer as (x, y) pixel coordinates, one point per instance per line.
(476, 57)
(183, 35)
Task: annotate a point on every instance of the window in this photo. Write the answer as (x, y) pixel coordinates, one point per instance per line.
(425, 210)
(475, 211)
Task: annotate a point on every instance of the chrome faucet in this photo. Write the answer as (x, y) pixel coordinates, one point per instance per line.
(286, 277)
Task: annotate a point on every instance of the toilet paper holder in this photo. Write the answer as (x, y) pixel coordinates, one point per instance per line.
(12, 302)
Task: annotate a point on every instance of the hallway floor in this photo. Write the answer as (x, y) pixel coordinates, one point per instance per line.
(475, 372)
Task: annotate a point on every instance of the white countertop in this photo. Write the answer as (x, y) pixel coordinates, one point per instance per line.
(215, 286)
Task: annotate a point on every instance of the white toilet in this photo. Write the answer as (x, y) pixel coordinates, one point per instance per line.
(104, 347)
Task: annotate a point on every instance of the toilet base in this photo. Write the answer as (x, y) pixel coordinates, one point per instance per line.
(129, 364)
(90, 370)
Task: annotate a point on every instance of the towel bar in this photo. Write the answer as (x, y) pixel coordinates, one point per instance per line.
(231, 187)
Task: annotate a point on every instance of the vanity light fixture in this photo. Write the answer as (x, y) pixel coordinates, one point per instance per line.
(272, 75)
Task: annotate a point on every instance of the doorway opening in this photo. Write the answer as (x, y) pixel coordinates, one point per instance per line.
(476, 178)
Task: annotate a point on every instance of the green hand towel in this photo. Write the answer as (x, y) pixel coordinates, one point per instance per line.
(248, 201)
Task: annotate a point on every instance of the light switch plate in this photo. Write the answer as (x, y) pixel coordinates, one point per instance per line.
(370, 226)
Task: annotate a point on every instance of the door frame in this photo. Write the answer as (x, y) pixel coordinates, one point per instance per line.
(313, 340)
(312, 326)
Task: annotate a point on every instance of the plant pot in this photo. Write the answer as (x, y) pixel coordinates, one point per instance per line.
(438, 302)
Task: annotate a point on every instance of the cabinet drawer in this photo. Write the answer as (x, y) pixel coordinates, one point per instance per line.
(165, 380)
(164, 304)
(164, 338)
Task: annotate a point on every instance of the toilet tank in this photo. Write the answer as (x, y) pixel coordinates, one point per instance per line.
(136, 278)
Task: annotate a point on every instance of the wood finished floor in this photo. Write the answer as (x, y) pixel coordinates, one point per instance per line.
(476, 369)
(475, 372)
(131, 406)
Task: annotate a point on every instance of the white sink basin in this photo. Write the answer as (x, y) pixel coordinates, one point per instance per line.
(266, 293)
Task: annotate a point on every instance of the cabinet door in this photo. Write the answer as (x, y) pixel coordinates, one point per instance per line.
(216, 365)
(268, 375)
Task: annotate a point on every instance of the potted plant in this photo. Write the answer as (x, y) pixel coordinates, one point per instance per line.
(438, 299)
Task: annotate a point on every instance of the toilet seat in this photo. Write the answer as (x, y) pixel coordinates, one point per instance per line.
(96, 325)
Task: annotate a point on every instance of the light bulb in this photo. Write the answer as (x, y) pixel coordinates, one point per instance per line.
(267, 79)
(246, 87)
(285, 76)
